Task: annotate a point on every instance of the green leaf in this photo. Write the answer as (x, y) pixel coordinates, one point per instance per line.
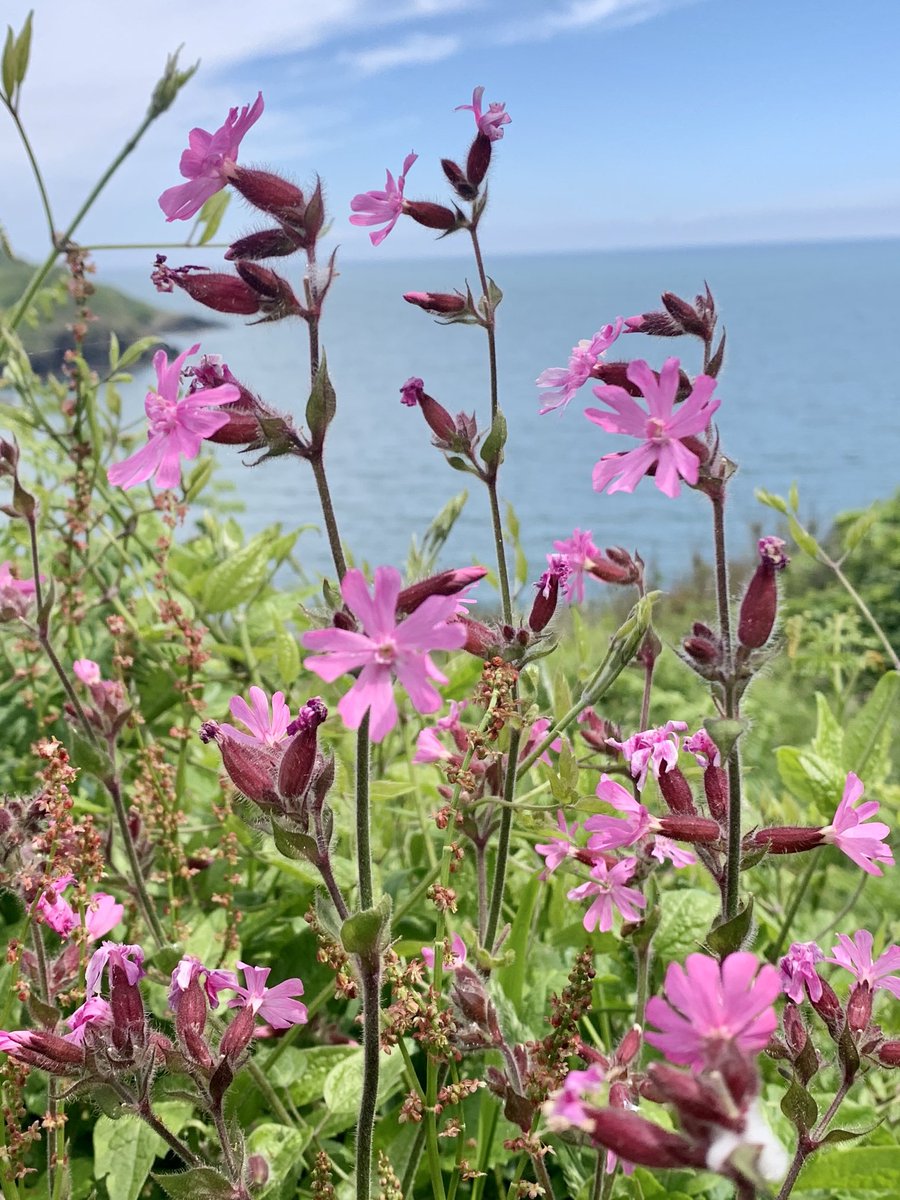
(322, 403)
(512, 977)
(808, 777)
(293, 844)
(863, 733)
(799, 1107)
(343, 1084)
(771, 500)
(134, 351)
(197, 1183)
(835, 1136)
(794, 497)
(113, 352)
(730, 936)
(492, 450)
(124, 1149)
(211, 214)
(804, 539)
(287, 656)
(460, 464)
(685, 918)
(237, 579)
(92, 757)
(282, 1147)
(828, 742)
(850, 1172)
(857, 530)
(303, 1071)
(23, 49)
(9, 64)
(384, 790)
(368, 931)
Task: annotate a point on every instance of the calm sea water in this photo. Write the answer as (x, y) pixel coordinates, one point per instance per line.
(809, 393)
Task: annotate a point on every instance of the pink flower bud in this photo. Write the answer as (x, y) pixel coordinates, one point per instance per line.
(469, 993)
(676, 791)
(238, 1035)
(760, 603)
(702, 650)
(690, 829)
(251, 768)
(479, 159)
(267, 192)
(889, 1054)
(223, 293)
(46, 1051)
(547, 597)
(786, 839)
(859, 1007)
(638, 1140)
(296, 769)
(629, 1047)
(794, 1029)
(456, 177)
(446, 583)
(440, 303)
(480, 640)
(268, 243)
(687, 316)
(829, 1008)
(257, 1170)
(715, 786)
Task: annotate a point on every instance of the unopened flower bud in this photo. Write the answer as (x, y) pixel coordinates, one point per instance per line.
(545, 601)
(238, 1035)
(703, 651)
(257, 1170)
(456, 177)
(446, 583)
(786, 839)
(250, 768)
(794, 1029)
(470, 995)
(699, 830)
(638, 1140)
(760, 603)
(480, 640)
(440, 303)
(296, 768)
(268, 243)
(829, 1008)
(676, 791)
(46, 1051)
(715, 787)
(615, 373)
(889, 1054)
(433, 216)
(686, 316)
(629, 1047)
(126, 1006)
(223, 293)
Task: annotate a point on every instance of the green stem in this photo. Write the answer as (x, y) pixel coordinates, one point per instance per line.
(866, 612)
(793, 905)
(46, 267)
(334, 538)
(502, 570)
(363, 819)
(144, 902)
(35, 169)
(733, 860)
(503, 839)
(489, 320)
(371, 1000)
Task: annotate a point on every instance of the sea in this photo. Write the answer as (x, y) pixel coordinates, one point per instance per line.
(810, 395)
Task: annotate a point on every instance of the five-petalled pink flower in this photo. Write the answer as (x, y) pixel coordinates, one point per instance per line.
(852, 832)
(489, 123)
(205, 163)
(855, 955)
(275, 1005)
(382, 207)
(563, 382)
(660, 429)
(607, 886)
(177, 426)
(383, 649)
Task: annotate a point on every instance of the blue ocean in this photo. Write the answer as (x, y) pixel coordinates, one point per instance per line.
(807, 396)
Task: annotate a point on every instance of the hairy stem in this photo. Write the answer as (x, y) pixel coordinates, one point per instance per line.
(500, 549)
(506, 818)
(363, 819)
(489, 320)
(371, 999)
(334, 537)
(148, 912)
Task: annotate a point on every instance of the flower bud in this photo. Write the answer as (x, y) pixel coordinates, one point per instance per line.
(639, 1141)
(251, 768)
(698, 830)
(615, 373)
(457, 179)
(629, 1047)
(268, 243)
(296, 769)
(46, 1051)
(237, 1036)
(829, 1008)
(676, 791)
(257, 1171)
(446, 583)
(433, 216)
(480, 640)
(471, 997)
(703, 651)
(126, 1006)
(686, 316)
(889, 1054)
(478, 160)
(547, 597)
(760, 603)
(694, 1097)
(439, 303)
(794, 1029)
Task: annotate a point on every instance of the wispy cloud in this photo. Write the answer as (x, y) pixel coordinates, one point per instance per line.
(417, 49)
(586, 14)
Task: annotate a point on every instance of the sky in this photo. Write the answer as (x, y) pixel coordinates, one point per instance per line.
(634, 122)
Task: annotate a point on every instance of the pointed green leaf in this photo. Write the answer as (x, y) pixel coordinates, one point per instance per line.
(294, 844)
(368, 931)
(867, 727)
(804, 539)
(492, 450)
(799, 1107)
(857, 530)
(322, 403)
(197, 1183)
(9, 64)
(771, 500)
(211, 214)
(729, 936)
(23, 49)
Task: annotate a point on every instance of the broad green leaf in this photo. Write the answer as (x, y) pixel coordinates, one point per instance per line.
(804, 539)
(303, 1072)
(828, 742)
(809, 778)
(492, 449)
(857, 530)
(867, 727)
(799, 1107)
(512, 978)
(211, 214)
(853, 1171)
(197, 1183)
(124, 1149)
(9, 64)
(237, 579)
(282, 1147)
(343, 1085)
(730, 936)
(684, 921)
(135, 350)
(287, 656)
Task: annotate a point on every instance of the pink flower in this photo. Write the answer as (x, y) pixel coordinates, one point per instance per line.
(103, 912)
(177, 426)
(860, 842)
(191, 968)
(207, 161)
(457, 957)
(374, 208)
(708, 1003)
(490, 123)
(95, 1011)
(274, 1005)
(86, 670)
(385, 648)
(799, 974)
(564, 382)
(129, 958)
(660, 428)
(664, 848)
(579, 552)
(651, 749)
(535, 735)
(608, 885)
(612, 832)
(855, 955)
(562, 847)
(580, 1090)
(16, 595)
(264, 729)
(703, 748)
(430, 748)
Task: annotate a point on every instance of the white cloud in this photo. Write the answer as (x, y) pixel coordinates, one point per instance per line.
(418, 48)
(586, 14)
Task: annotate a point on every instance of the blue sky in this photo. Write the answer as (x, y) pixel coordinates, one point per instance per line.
(634, 122)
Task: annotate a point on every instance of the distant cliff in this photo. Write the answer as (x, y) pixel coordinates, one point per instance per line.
(116, 312)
